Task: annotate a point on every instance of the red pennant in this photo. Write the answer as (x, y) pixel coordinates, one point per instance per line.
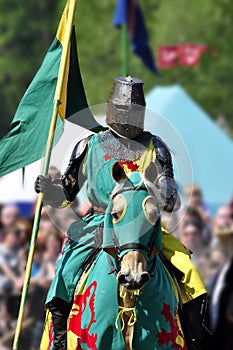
(187, 54)
(168, 56)
(190, 54)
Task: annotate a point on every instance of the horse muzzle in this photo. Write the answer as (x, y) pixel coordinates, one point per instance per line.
(133, 281)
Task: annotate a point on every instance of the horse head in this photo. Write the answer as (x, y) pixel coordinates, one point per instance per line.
(132, 225)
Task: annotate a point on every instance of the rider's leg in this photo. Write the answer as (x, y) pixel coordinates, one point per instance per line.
(193, 290)
(192, 316)
(60, 296)
(60, 310)
(68, 270)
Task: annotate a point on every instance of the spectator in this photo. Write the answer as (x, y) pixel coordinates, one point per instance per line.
(205, 267)
(9, 215)
(189, 214)
(11, 279)
(221, 297)
(37, 261)
(43, 273)
(194, 199)
(9, 260)
(44, 265)
(190, 234)
(174, 221)
(217, 256)
(52, 243)
(24, 228)
(45, 227)
(223, 221)
(211, 261)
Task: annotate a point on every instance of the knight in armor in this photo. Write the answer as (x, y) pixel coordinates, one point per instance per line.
(89, 168)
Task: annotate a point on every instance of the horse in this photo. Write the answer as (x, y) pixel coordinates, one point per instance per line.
(126, 299)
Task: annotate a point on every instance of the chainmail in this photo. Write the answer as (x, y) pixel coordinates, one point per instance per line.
(121, 148)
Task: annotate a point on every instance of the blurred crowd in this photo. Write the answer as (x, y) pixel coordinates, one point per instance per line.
(210, 239)
(15, 236)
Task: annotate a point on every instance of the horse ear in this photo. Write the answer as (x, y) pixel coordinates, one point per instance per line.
(151, 172)
(118, 173)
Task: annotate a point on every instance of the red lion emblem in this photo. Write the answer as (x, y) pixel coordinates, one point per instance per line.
(82, 303)
(164, 337)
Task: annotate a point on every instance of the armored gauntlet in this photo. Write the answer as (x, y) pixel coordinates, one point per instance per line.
(167, 194)
(53, 191)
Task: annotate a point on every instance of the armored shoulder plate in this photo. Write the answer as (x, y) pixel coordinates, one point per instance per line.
(80, 148)
(162, 151)
(73, 178)
(163, 155)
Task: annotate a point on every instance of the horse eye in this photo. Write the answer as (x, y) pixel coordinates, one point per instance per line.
(119, 208)
(115, 215)
(151, 210)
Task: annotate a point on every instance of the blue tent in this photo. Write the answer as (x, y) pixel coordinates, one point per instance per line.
(202, 152)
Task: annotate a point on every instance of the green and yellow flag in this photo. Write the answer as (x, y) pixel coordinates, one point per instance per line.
(26, 140)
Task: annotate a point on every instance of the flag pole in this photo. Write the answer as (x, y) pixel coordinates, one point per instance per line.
(48, 151)
(124, 49)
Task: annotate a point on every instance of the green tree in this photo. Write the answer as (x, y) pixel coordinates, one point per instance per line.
(28, 28)
(168, 22)
(26, 32)
(208, 22)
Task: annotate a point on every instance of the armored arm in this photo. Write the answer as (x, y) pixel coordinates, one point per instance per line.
(62, 192)
(165, 183)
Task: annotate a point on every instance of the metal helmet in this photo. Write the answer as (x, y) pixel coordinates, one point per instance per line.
(126, 107)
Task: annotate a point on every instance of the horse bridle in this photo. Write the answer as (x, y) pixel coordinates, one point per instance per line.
(149, 248)
(175, 274)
